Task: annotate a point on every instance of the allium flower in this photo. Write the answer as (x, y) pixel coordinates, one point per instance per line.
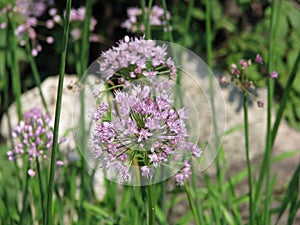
(134, 59)
(25, 13)
(240, 78)
(33, 138)
(134, 21)
(144, 130)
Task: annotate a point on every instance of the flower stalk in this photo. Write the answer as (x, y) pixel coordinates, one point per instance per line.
(49, 219)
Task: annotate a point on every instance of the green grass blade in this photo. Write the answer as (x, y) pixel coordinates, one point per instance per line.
(285, 96)
(291, 196)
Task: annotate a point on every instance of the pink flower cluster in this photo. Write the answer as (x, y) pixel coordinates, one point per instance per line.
(135, 58)
(33, 138)
(134, 21)
(77, 16)
(239, 77)
(24, 13)
(144, 127)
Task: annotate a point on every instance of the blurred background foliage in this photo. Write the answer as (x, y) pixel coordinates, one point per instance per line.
(239, 27)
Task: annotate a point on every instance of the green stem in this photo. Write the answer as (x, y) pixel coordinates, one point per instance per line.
(269, 122)
(211, 86)
(41, 188)
(188, 16)
(246, 128)
(57, 115)
(36, 74)
(146, 17)
(198, 205)
(208, 33)
(191, 203)
(16, 82)
(265, 167)
(24, 203)
(170, 35)
(85, 37)
(151, 208)
(84, 57)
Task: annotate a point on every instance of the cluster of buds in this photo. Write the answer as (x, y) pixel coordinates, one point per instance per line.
(240, 79)
(33, 138)
(157, 18)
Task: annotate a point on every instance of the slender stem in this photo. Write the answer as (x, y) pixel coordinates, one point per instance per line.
(198, 205)
(148, 26)
(246, 128)
(83, 58)
(151, 209)
(191, 203)
(146, 17)
(57, 115)
(36, 74)
(85, 37)
(188, 16)
(211, 86)
(143, 6)
(265, 167)
(25, 192)
(269, 122)
(170, 35)
(16, 83)
(208, 33)
(41, 187)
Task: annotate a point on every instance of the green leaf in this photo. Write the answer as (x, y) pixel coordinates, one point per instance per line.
(198, 14)
(97, 211)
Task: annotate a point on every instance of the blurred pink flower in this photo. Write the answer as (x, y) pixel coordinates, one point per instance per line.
(134, 21)
(273, 74)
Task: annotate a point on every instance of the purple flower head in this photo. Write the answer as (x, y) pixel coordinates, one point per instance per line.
(157, 19)
(33, 137)
(144, 127)
(258, 59)
(273, 74)
(135, 58)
